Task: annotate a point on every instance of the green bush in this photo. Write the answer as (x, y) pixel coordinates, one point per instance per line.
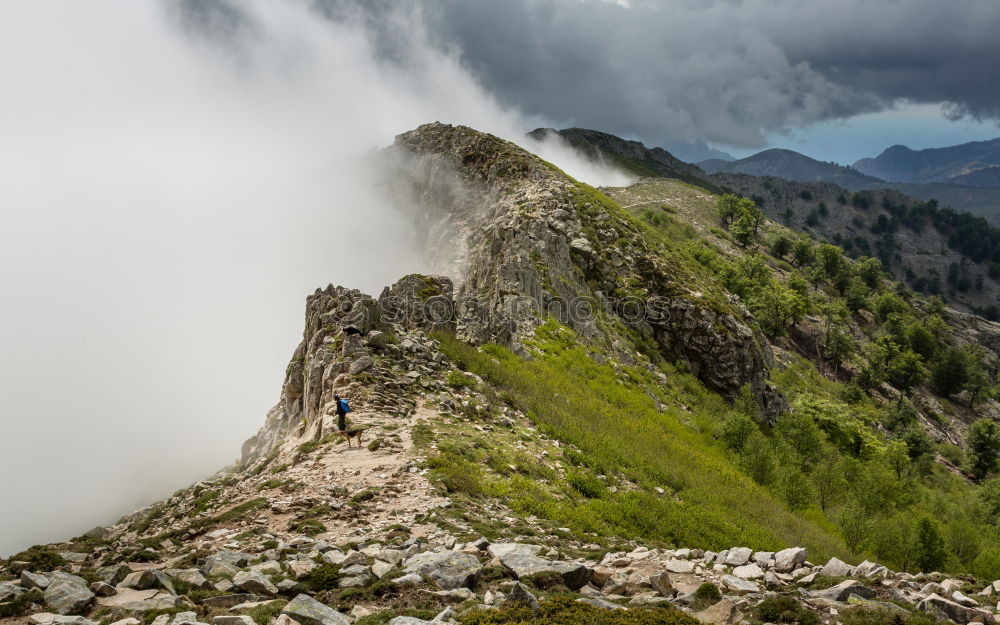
(323, 577)
(706, 595)
(40, 557)
(309, 527)
(862, 615)
(784, 609)
(20, 605)
(567, 611)
(458, 380)
(586, 484)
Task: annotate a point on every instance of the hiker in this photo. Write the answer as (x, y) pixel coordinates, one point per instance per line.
(342, 409)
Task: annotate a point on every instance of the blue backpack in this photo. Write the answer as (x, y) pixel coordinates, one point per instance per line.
(345, 405)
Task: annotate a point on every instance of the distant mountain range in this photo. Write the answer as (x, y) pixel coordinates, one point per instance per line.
(975, 164)
(793, 166)
(978, 200)
(697, 151)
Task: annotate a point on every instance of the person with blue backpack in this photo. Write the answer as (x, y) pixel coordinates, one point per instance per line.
(343, 408)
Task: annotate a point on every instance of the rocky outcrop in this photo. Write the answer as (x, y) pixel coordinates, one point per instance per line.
(344, 330)
(539, 245)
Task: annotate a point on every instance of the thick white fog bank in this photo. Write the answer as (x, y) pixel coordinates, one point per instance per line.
(169, 194)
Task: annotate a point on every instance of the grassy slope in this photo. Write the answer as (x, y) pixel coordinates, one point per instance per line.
(610, 416)
(606, 411)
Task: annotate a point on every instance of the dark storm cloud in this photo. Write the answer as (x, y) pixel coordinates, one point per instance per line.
(725, 70)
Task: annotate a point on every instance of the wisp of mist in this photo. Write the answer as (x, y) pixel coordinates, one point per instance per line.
(172, 186)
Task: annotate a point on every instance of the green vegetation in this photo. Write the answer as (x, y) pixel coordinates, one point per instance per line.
(648, 448)
(784, 609)
(20, 605)
(40, 557)
(706, 595)
(567, 611)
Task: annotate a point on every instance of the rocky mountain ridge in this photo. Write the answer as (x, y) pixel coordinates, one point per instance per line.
(440, 516)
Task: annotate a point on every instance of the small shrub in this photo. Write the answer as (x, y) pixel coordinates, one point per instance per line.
(365, 495)
(40, 557)
(863, 615)
(706, 595)
(458, 380)
(784, 609)
(323, 577)
(266, 613)
(309, 527)
(585, 484)
(21, 604)
(547, 580)
(375, 444)
(567, 611)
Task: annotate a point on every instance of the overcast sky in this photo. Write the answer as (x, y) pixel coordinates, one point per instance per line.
(173, 180)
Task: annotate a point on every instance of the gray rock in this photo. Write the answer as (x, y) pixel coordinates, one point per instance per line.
(738, 556)
(661, 584)
(597, 602)
(286, 584)
(184, 618)
(67, 597)
(499, 550)
(192, 577)
(519, 595)
(939, 606)
(408, 581)
(448, 569)
(574, 575)
(739, 586)
(103, 590)
(8, 590)
(139, 580)
(679, 566)
(362, 364)
(870, 569)
(113, 574)
(228, 601)
(233, 619)
(446, 615)
(763, 558)
(842, 591)
(33, 580)
(788, 560)
(254, 582)
(408, 620)
(308, 611)
(837, 568)
(748, 571)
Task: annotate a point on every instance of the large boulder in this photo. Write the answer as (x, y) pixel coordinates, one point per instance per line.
(837, 568)
(254, 582)
(788, 560)
(499, 550)
(448, 569)
(308, 611)
(843, 590)
(939, 606)
(65, 596)
(738, 556)
(573, 574)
